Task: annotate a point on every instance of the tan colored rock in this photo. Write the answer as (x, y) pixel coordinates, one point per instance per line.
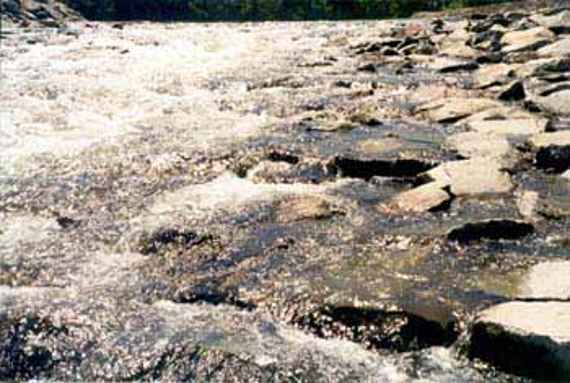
(537, 335)
(421, 199)
(499, 113)
(475, 144)
(542, 66)
(448, 65)
(548, 280)
(529, 39)
(527, 202)
(298, 208)
(494, 74)
(559, 138)
(556, 103)
(516, 127)
(558, 48)
(454, 108)
(473, 177)
(559, 21)
(459, 49)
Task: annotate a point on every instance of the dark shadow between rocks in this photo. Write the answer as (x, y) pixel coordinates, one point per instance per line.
(491, 229)
(366, 169)
(378, 329)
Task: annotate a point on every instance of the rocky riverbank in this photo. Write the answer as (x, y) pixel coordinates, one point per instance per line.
(384, 201)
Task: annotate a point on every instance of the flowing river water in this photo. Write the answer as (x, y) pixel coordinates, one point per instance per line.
(184, 200)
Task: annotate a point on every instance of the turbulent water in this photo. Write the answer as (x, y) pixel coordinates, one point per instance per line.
(211, 202)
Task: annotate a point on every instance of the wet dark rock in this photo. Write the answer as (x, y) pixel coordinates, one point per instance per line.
(553, 158)
(366, 169)
(20, 359)
(164, 238)
(377, 329)
(213, 295)
(495, 229)
(66, 222)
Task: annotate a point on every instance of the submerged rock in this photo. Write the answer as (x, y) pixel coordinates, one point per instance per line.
(299, 208)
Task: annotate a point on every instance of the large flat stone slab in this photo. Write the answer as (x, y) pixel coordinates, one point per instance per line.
(493, 74)
(526, 40)
(548, 280)
(525, 338)
(477, 144)
(473, 177)
(558, 48)
(556, 103)
(515, 127)
(543, 140)
(455, 108)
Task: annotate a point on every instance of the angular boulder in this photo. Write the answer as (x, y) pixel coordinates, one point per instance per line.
(421, 199)
(529, 339)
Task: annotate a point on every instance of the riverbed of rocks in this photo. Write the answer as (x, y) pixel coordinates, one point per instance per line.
(363, 201)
